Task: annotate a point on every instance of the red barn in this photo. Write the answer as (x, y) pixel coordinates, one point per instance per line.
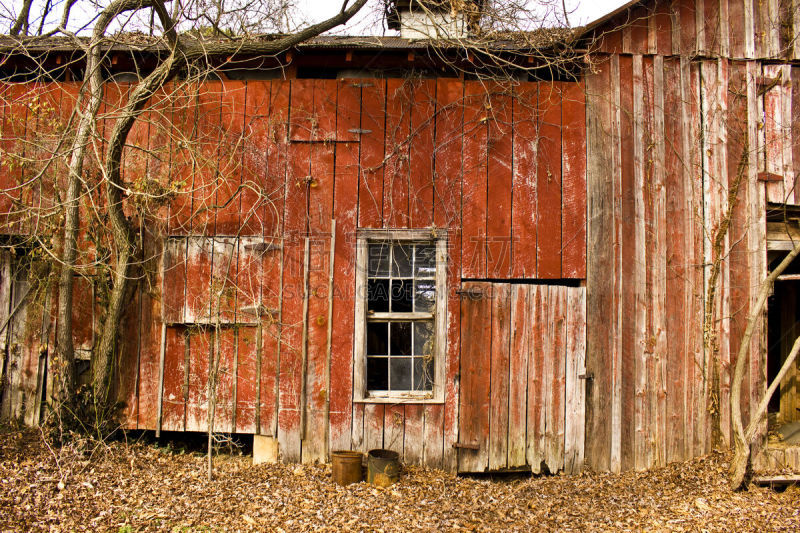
(377, 247)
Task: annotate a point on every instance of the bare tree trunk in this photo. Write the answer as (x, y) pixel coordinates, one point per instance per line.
(93, 83)
(123, 234)
(742, 440)
(124, 240)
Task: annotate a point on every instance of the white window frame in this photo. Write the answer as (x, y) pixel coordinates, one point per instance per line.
(437, 237)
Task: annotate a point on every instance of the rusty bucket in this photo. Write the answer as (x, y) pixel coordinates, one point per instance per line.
(346, 466)
(383, 467)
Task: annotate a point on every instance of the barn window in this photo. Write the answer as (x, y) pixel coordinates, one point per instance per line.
(401, 311)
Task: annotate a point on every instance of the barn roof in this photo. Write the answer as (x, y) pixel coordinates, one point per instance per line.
(132, 42)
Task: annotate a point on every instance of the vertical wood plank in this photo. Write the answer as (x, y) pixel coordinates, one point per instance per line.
(474, 199)
(291, 348)
(320, 206)
(276, 185)
(183, 123)
(698, 364)
(787, 146)
(575, 406)
(207, 138)
(688, 21)
(663, 27)
(737, 23)
(623, 390)
(500, 159)
(676, 192)
(574, 181)
(554, 378)
(773, 137)
(757, 244)
(174, 403)
(303, 122)
(373, 426)
(537, 309)
(233, 103)
(437, 432)
(724, 27)
(548, 182)
(639, 275)
(414, 434)
(345, 211)
(773, 28)
(523, 209)
(499, 377)
(256, 185)
(246, 380)
(201, 348)
(521, 345)
(373, 126)
(711, 35)
(701, 27)
(394, 429)
(421, 153)
(226, 379)
(474, 408)
(447, 214)
(599, 263)
(659, 221)
(398, 141)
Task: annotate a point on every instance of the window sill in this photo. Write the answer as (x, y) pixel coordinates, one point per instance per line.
(399, 400)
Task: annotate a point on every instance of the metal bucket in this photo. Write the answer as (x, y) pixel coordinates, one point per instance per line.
(383, 467)
(346, 467)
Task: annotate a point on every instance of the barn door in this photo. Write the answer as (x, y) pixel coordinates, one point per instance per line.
(522, 394)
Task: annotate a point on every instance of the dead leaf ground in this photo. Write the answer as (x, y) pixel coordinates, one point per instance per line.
(126, 487)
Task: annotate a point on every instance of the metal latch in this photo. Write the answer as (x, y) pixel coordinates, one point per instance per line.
(465, 446)
(588, 376)
(471, 293)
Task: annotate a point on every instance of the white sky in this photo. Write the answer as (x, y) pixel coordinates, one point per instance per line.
(368, 21)
(580, 12)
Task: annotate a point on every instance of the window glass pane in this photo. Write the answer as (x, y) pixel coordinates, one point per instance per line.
(423, 373)
(401, 260)
(424, 295)
(401, 338)
(401, 373)
(377, 373)
(378, 260)
(377, 338)
(402, 296)
(425, 261)
(423, 338)
(378, 295)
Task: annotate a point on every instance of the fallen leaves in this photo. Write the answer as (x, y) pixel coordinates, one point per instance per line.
(132, 487)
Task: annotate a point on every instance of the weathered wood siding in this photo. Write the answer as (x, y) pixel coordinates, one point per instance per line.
(522, 372)
(669, 139)
(239, 260)
(737, 29)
